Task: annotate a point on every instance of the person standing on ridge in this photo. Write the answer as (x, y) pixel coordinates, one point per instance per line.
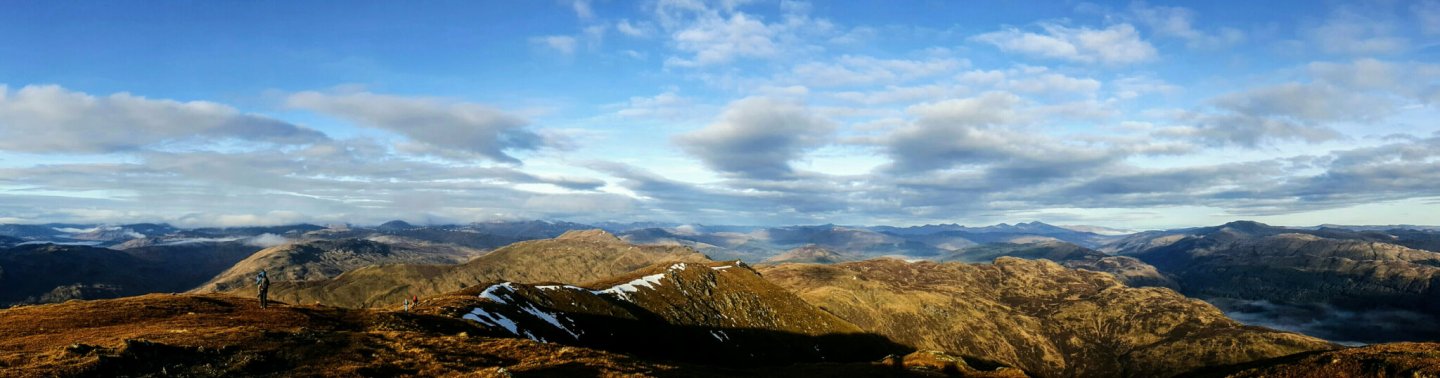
(263, 283)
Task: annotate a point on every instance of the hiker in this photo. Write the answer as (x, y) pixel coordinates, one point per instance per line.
(407, 304)
(263, 282)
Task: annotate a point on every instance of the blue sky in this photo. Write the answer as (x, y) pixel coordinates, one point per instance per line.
(1125, 114)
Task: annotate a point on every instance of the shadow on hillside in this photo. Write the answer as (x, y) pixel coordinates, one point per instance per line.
(655, 339)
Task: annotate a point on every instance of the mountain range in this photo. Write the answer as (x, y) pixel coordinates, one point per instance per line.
(1030, 299)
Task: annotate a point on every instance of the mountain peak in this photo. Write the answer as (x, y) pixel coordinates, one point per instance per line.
(593, 235)
(395, 225)
(1246, 226)
(808, 254)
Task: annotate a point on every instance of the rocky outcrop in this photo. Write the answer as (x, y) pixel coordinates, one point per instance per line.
(1036, 315)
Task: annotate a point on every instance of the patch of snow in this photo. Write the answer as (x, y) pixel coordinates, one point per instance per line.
(493, 292)
(633, 286)
(723, 267)
(677, 266)
(557, 287)
(549, 318)
(134, 234)
(493, 320)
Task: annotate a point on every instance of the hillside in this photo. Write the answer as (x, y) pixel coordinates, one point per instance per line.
(698, 312)
(575, 256)
(321, 259)
(218, 335)
(46, 273)
(1332, 283)
(1036, 315)
(1380, 360)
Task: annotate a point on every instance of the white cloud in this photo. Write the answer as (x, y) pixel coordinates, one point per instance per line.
(708, 37)
(758, 138)
(668, 105)
(896, 94)
(582, 9)
(1413, 81)
(1350, 32)
(1117, 44)
(1364, 73)
(1428, 13)
(864, 70)
(1305, 103)
(563, 44)
(984, 137)
(1052, 83)
(1178, 22)
(436, 126)
(638, 30)
(51, 119)
(1134, 86)
(722, 40)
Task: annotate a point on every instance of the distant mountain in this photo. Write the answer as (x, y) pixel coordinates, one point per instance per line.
(1036, 315)
(37, 231)
(576, 256)
(760, 244)
(47, 273)
(323, 259)
(293, 230)
(394, 225)
(810, 254)
(1128, 270)
(1107, 231)
(1411, 227)
(1339, 284)
(953, 235)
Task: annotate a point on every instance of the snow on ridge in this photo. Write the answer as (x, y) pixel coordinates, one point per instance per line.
(677, 266)
(550, 318)
(634, 286)
(494, 295)
(493, 320)
(722, 267)
(556, 287)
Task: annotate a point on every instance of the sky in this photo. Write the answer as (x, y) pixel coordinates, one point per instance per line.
(1133, 115)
